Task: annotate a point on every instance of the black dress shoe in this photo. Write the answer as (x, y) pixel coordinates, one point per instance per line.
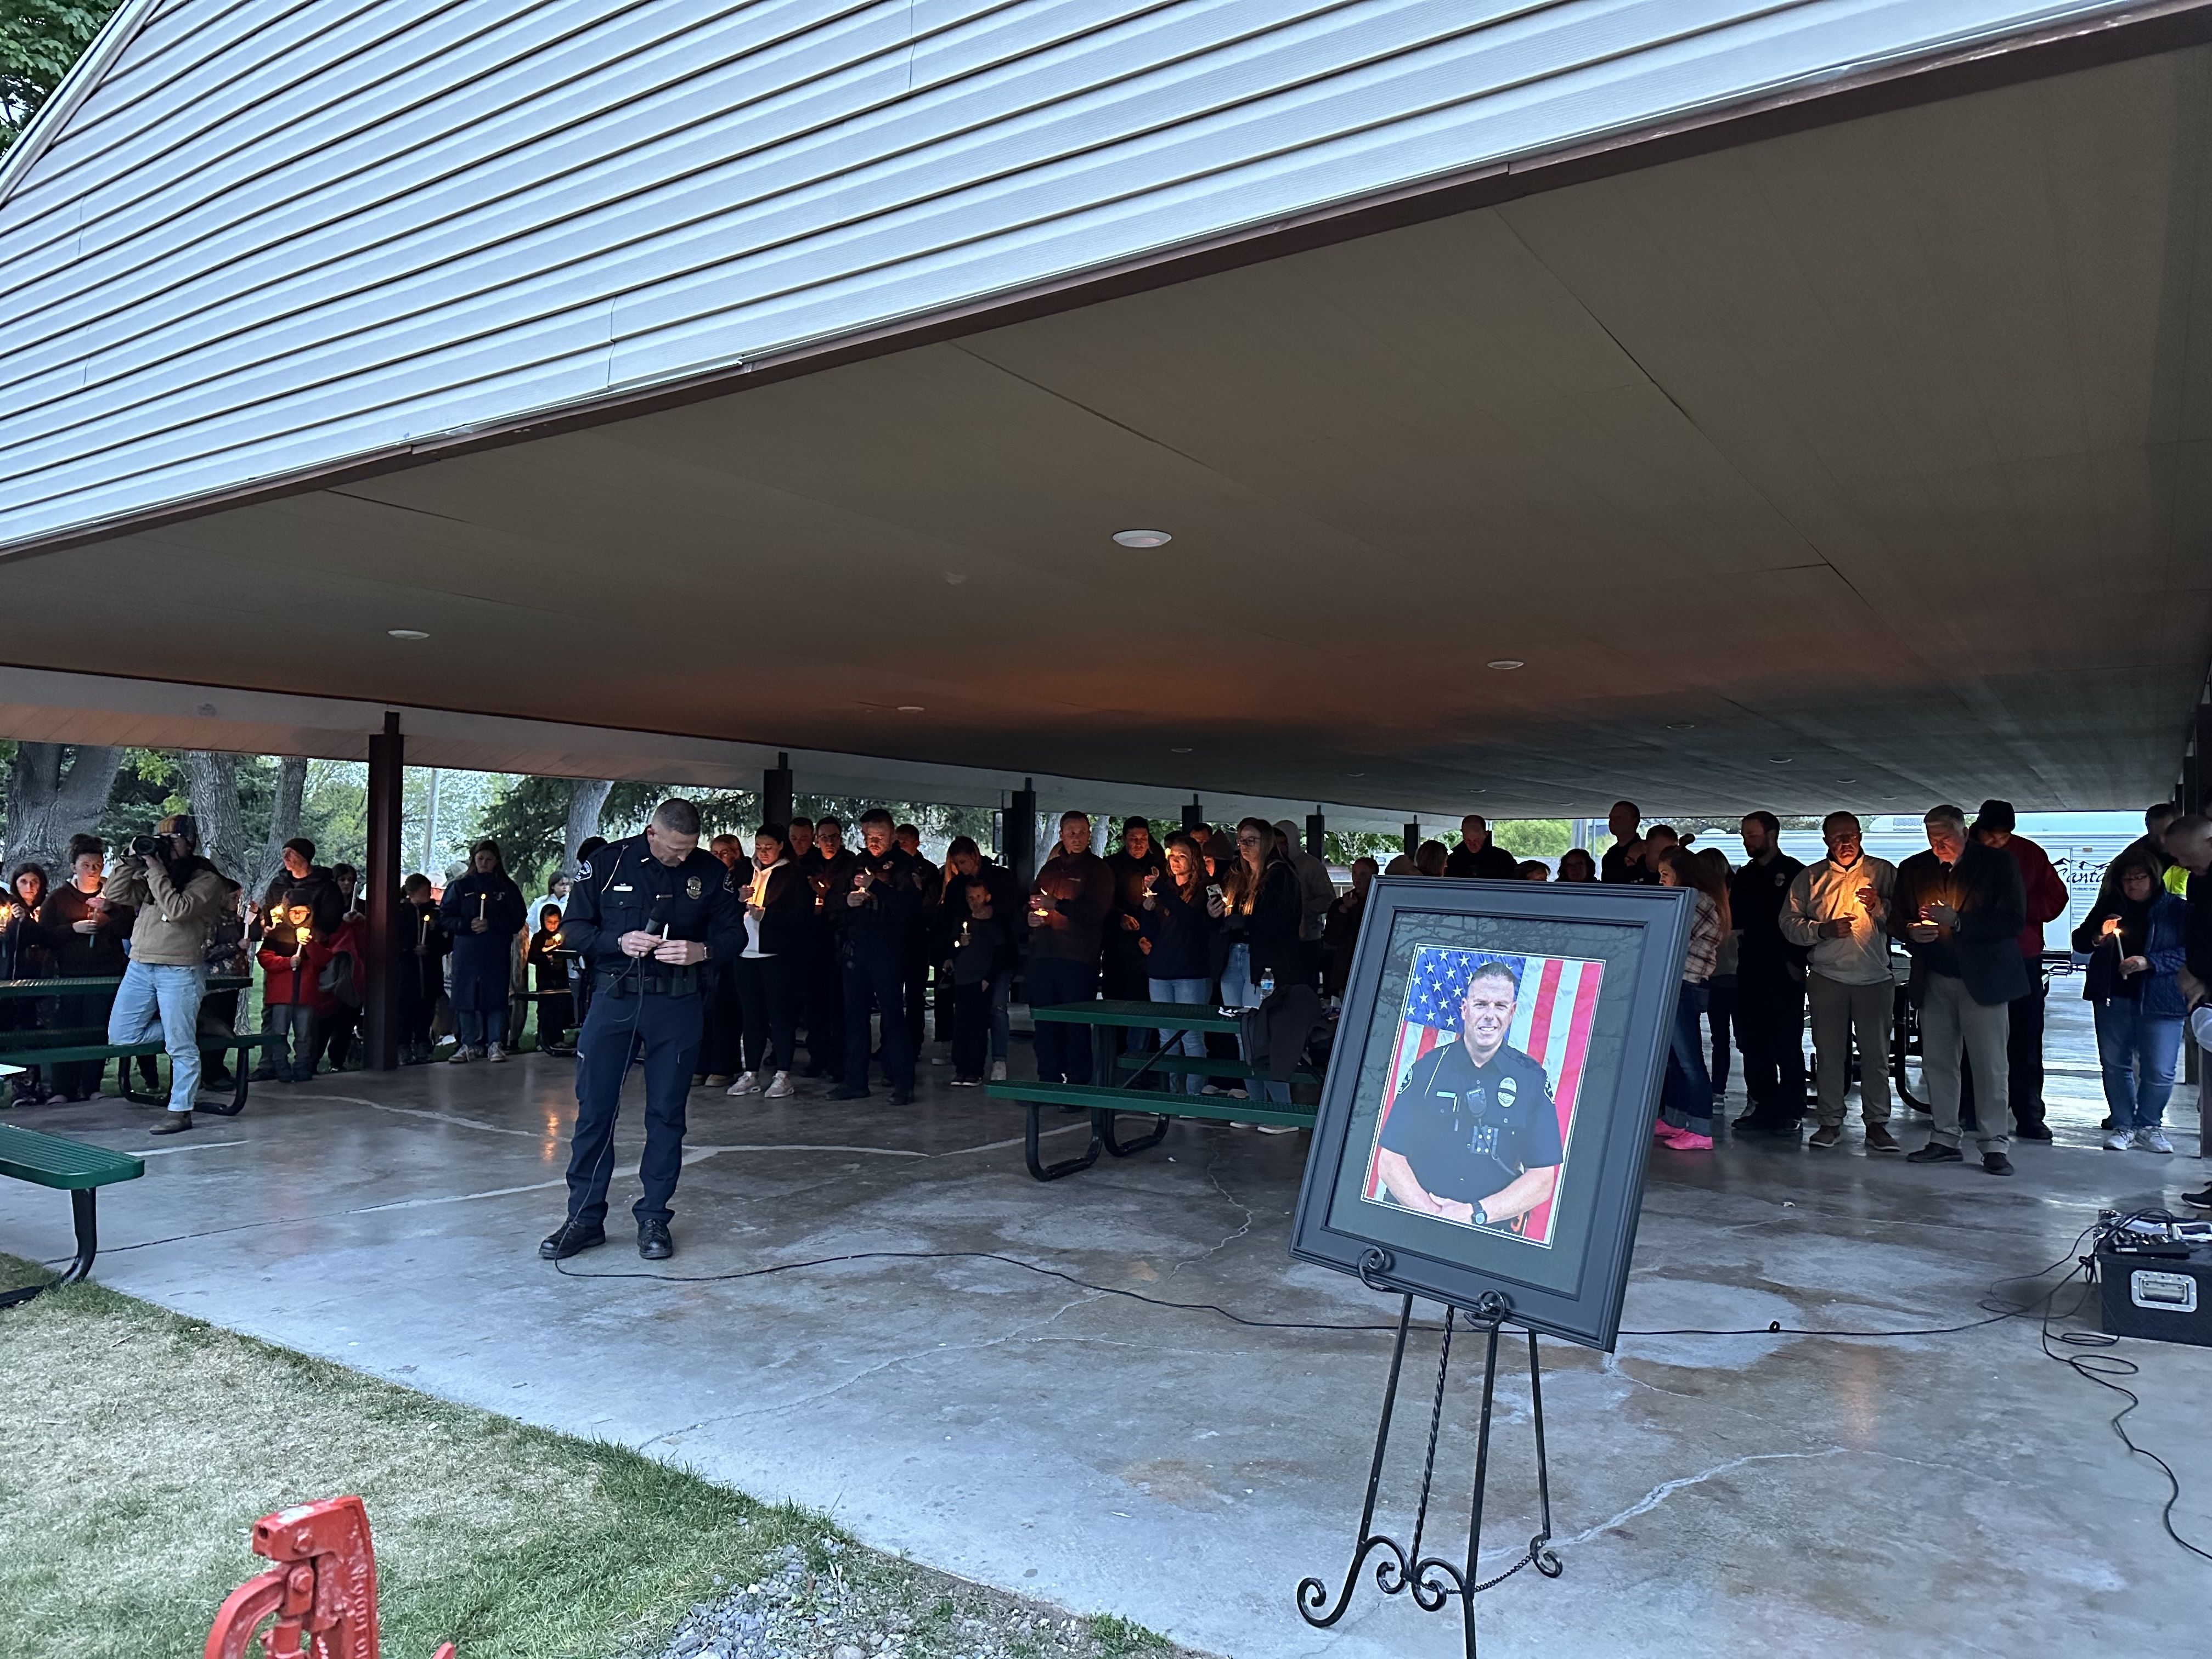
(570, 1238)
(652, 1241)
(2033, 1132)
(841, 1092)
(1996, 1163)
(1935, 1152)
(902, 1097)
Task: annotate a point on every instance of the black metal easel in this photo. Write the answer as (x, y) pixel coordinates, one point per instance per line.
(1432, 1580)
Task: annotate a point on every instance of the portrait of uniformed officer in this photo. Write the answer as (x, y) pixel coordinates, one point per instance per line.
(648, 915)
(1473, 1136)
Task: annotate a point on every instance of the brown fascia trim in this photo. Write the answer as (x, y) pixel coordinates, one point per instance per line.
(2161, 26)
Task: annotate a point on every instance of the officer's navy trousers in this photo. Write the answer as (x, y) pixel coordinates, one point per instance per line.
(878, 976)
(663, 1031)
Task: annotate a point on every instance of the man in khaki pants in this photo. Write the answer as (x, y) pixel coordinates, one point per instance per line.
(1839, 908)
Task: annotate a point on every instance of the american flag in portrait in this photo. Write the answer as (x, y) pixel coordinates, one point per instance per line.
(1552, 1019)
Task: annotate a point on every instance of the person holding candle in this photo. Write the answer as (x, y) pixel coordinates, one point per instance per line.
(482, 911)
(423, 946)
(778, 909)
(720, 1056)
(1958, 908)
(2137, 943)
(1839, 910)
(1768, 1015)
(1068, 905)
(24, 955)
(292, 998)
(829, 870)
(966, 865)
(87, 935)
(549, 977)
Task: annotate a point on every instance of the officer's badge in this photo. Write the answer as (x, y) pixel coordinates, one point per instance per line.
(693, 887)
(1507, 1089)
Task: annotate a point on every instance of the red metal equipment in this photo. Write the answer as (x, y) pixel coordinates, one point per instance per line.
(322, 1589)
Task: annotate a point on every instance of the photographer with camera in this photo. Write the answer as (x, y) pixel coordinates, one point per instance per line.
(179, 898)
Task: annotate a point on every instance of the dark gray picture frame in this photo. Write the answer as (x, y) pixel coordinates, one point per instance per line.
(1573, 1288)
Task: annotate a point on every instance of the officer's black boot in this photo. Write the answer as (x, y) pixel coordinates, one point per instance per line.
(652, 1241)
(570, 1237)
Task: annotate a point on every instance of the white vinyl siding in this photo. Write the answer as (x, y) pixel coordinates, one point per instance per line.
(279, 235)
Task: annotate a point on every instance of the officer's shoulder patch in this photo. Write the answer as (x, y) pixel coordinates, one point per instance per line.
(583, 870)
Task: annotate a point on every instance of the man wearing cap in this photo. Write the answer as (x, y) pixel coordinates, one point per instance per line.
(1994, 827)
(179, 898)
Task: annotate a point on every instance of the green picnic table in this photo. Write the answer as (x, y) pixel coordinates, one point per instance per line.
(1105, 1101)
(24, 1048)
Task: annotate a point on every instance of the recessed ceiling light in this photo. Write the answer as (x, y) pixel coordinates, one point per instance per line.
(1143, 538)
(1178, 751)
(1355, 775)
(1846, 780)
(1682, 725)
(407, 633)
(1503, 663)
(909, 709)
(1778, 760)
(954, 578)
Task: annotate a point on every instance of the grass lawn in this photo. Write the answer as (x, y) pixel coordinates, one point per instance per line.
(138, 1447)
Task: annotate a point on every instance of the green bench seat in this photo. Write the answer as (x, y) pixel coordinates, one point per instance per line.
(68, 1166)
(1187, 1065)
(1104, 1103)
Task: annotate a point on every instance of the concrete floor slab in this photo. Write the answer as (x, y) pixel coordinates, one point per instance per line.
(1941, 1495)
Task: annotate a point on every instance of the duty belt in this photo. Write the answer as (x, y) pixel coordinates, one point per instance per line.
(663, 982)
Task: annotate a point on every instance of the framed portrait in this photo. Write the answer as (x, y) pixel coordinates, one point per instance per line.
(1488, 1108)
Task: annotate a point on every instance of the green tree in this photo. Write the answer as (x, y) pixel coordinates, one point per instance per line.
(39, 42)
(1532, 838)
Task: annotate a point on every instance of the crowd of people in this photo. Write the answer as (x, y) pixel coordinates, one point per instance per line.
(1774, 940)
(840, 941)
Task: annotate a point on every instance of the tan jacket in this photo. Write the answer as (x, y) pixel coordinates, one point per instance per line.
(1825, 892)
(173, 924)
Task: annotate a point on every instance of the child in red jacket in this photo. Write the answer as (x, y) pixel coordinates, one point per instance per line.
(292, 997)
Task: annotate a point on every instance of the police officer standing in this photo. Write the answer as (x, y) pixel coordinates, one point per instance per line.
(647, 915)
(876, 905)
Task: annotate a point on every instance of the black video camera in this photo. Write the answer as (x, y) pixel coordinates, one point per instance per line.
(142, 845)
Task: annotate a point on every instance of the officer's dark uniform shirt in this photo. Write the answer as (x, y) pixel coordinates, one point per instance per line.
(1756, 894)
(890, 902)
(1468, 1130)
(625, 889)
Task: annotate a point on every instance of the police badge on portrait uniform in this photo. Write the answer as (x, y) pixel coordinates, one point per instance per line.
(694, 888)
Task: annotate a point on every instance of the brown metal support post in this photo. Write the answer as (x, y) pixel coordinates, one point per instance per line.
(387, 775)
(775, 792)
(1413, 839)
(1193, 813)
(1317, 833)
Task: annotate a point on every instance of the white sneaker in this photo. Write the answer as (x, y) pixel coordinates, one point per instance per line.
(463, 1055)
(998, 1071)
(779, 1087)
(1243, 1126)
(2153, 1140)
(1240, 1094)
(747, 1084)
(1210, 1089)
(496, 1054)
(1279, 1128)
(2119, 1140)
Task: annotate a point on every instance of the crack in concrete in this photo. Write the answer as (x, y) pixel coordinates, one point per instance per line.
(1213, 1160)
(1659, 1494)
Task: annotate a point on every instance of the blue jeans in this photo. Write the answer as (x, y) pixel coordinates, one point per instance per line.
(2136, 1051)
(153, 995)
(1687, 1098)
(1197, 993)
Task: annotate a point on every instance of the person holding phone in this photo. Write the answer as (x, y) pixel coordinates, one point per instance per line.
(2138, 943)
